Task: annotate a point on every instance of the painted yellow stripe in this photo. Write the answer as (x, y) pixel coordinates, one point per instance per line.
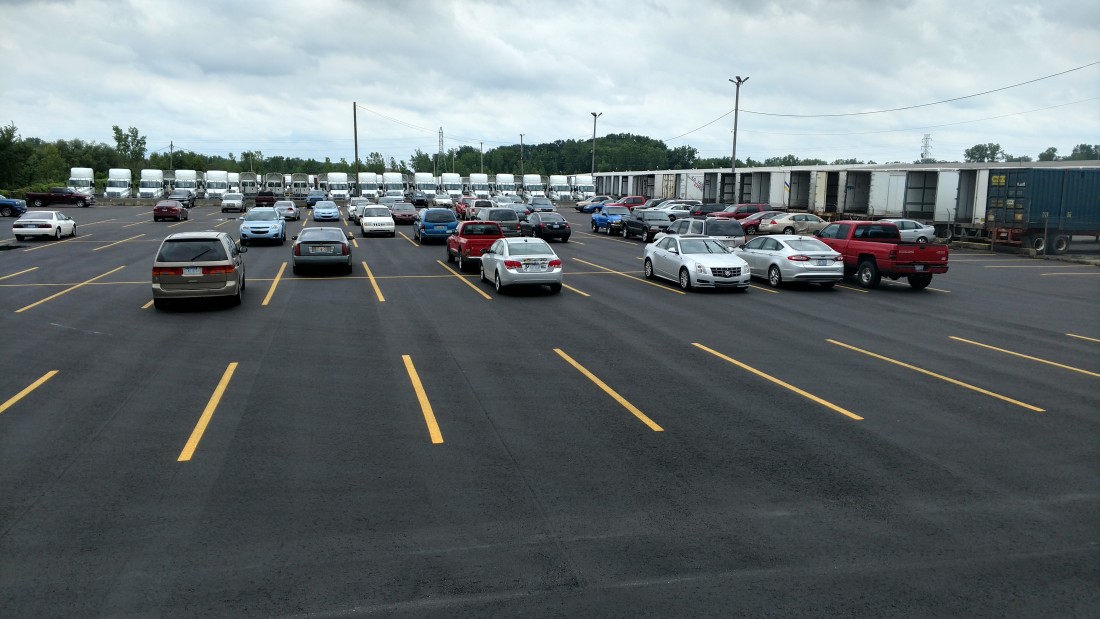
(754, 286)
(102, 221)
(22, 394)
(422, 397)
(223, 223)
(609, 391)
(207, 413)
(55, 244)
(939, 376)
(138, 223)
(148, 304)
(568, 287)
(414, 243)
(638, 279)
(463, 280)
(19, 273)
(374, 283)
(119, 242)
(1028, 357)
(850, 288)
(781, 383)
(1091, 339)
(274, 285)
(67, 290)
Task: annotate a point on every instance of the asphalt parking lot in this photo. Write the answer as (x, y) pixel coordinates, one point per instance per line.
(405, 441)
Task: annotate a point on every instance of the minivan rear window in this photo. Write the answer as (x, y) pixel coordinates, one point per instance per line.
(192, 250)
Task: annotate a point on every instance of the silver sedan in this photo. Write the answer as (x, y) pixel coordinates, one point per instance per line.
(521, 260)
(696, 261)
(783, 258)
(912, 230)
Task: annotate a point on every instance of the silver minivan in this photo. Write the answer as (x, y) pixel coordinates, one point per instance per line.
(192, 265)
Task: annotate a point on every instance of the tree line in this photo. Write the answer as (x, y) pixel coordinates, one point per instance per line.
(30, 164)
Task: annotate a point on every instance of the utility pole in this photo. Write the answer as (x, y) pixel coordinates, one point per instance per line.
(521, 154)
(733, 158)
(594, 117)
(171, 149)
(482, 157)
(355, 126)
(439, 153)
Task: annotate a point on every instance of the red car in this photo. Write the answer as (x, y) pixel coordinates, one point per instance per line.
(741, 211)
(751, 224)
(169, 209)
(628, 201)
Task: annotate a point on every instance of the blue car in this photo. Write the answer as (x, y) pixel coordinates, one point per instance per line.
(314, 196)
(262, 223)
(326, 210)
(434, 223)
(609, 219)
(10, 207)
(589, 208)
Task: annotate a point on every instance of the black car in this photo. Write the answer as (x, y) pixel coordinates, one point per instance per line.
(314, 196)
(645, 224)
(419, 198)
(545, 226)
(183, 196)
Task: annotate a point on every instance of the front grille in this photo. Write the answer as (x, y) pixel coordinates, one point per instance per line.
(730, 272)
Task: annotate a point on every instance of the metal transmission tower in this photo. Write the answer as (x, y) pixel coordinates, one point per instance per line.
(926, 147)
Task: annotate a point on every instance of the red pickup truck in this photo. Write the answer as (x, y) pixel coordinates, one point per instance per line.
(265, 198)
(58, 195)
(470, 240)
(873, 249)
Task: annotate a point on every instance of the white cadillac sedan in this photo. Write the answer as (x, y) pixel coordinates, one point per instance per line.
(696, 261)
(376, 220)
(521, 261)
(43, 223)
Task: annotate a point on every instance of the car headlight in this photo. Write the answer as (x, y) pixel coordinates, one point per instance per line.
(701, 269)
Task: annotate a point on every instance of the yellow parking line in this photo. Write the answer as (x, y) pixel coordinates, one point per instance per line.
(852, 289)
(179, 223)
(415, 244)
(1091, 339)
(67, 290)
(609, 391)
(223, 223)
(939, 376)
(763, 288)
(463, 280)
(355, 243)
(781, 383)
(274, 285)
(22, 394)
(422, 397)
(207, 413)
(1029, 357)
(639, 279)
(568, 287)
(136, 223)
(118, 242)
(148, 304)
(55, 244)
(102, 221)
(19, 273)
(374, 283)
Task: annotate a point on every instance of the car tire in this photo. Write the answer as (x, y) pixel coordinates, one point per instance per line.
(297, 270)
(919, 282)
(827, 285)
(57, 233)
(39, 203)
(496, 282)
(5, 211)
(235, 300)
(282, 238)
(348, 269)
(244, 242)
(867, 274)
(685, 279)
(81, 203)
(922, 239)
(565, 239)
(608, 228)
(19, 237)
(750, 230)
(775, 278)
(788, 230)
(648, 269)
(461, 264)
(161, 304)
(555, 288)
(595, 228)
(625, 233)
(481, 273)
(73, 232)
(450, 256)
(224, 210)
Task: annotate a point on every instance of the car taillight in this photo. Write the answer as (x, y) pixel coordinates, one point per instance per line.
(344, 249)
(218, 270)
(297, 250)
(838, 258)
(158, 271)
(798, 258)
(512, 264)
(555, 264)
(42, 226)
(772, 222)
(566, 226)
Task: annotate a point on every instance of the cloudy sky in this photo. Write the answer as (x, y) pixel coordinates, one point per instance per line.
(280, 76)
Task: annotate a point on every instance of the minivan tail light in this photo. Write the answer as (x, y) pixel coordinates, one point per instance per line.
(158, 271)
(218, 270)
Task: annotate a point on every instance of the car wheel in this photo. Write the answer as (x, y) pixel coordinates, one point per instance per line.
(685, 280)
(19, 237)
(565, 239)
(57, 233)
(5, 211)
(81, 203)
(648, 269)
(461, 263)
(867, 274)
(297, 270)
(73, 232)
(625, 233)
(481, 273)
(555, 288)
(496, 282)
(160, 304)
(788, 230)
(244, 242)
(224, 210)
(775, 278)
(919, 282)
(608, 228)
(282, 239)
(595, 228)
(236, 299)
(450, 256)
(750, 230)
(922, 239)
(827, 285)
(38, 203)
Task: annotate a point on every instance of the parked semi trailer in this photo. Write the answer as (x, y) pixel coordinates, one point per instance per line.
(82, 180)
(299, 185)
(217, 183)
(479, 185)
(273, 182)
(151, 184)
(505, 185)
(1043, 209)
(557, 188)
(234, 182)
(250, 183)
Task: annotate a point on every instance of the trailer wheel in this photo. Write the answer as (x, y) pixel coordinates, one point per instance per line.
(867, 274)
(1037, 242)
(1061, 244)
(919, 282)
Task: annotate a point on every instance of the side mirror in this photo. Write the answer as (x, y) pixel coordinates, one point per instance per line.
(242, 249)
(294, 238)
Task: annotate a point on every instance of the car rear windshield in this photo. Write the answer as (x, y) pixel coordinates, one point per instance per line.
(500, 214)
(724, 227)
(481, 230)
(616, 210)
(192, 250)
(439, 217)
(556, 217)
(530, 248)
(807, 245)
(321, 234)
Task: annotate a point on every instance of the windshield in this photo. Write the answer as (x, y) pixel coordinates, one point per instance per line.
(232, 196)
(79, 182)
(438, 216)
(376, 211)
(807, 245)
(529, 248)
(118, 182)
(724, 227)
(541, 201)
(702, 246)
(260, 215)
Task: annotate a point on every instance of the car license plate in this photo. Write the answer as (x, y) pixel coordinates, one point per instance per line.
(441, 227)
(189, 271)
(821, 263)
(320, 250)
(534, 267)
(919, 267)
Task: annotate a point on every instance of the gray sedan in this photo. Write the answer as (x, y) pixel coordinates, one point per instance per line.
(521, 261)
(912, 230)
(321, 246)
(783, 258)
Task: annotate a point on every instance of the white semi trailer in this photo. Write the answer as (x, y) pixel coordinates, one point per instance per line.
(479, 185)
(451, 184)
(557, 188)
(506, 184)
(187, 179)
(338, 187)
(217, 183)
(234, 182)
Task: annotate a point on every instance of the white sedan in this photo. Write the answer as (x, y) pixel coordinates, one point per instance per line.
(912, 230)
(374, 219)
(521, 260)
(43, 223)
(783, 258)
(696, 261)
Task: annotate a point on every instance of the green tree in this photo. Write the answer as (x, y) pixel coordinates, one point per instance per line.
(983, 153)
(129, 145)
(1086, 152)
(1050, 154)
